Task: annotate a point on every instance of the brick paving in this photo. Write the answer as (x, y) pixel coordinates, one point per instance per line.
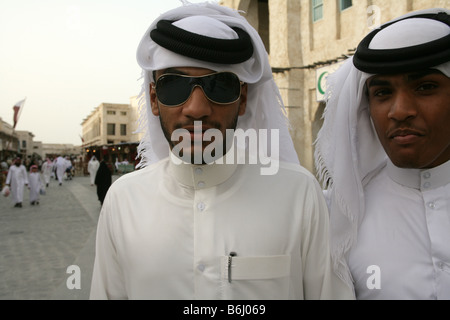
(38, 243)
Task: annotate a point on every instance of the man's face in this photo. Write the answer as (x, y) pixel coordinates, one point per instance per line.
(197, 108)
(411, 115)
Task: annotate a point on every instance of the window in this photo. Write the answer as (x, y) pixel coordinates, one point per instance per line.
(263, 23)
(24, 144)
(123, 113)
(123, 129)
(111, 112)
(344, 4)
(111, 129)
(317, 10)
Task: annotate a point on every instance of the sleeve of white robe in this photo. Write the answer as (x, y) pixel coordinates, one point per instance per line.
(25, 175)
(107, 278)
(8, 178)
(320, 282)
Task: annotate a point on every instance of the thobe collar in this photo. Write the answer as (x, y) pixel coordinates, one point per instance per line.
(201, 176)
(421, 179)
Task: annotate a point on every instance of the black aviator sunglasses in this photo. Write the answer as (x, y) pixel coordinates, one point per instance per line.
(174, 90)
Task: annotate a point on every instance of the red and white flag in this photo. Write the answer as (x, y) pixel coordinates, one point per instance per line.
(17, 110)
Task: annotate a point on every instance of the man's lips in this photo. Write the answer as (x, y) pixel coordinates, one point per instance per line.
(196, 132)
(405, 136)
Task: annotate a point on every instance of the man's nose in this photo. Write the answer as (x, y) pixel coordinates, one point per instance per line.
(403, 106)
(198, 105)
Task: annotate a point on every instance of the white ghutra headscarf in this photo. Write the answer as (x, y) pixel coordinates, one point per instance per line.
(265, 109)
(348, 152)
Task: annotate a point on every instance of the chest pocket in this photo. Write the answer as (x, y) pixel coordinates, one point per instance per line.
(259, 277)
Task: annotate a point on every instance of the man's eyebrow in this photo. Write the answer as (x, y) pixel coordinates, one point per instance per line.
(377, 82)
(174, 70)
(418, 75)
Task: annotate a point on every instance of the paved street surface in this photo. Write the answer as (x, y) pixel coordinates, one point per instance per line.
(38, 243)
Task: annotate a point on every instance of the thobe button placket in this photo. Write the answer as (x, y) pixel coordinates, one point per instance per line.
(201, 184)
(201, 267)
(201, 206)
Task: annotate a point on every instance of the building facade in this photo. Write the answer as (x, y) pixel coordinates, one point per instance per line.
(9, 141)
(306, 40)
(110, 132)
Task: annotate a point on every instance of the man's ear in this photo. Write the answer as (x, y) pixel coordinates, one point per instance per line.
(153, 100)
(243, 99)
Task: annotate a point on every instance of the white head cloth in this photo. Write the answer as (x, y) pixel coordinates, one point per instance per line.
(348, 151)
(265, 109)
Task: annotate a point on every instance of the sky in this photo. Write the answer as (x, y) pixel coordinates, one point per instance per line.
(66, 57)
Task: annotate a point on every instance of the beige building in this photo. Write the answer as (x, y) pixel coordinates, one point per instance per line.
(9, 141)
(110, 123)
(21, 143)
(25, 143)
(110, 132)
(53, 150)
(305, 40)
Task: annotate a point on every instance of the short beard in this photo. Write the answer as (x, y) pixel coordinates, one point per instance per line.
(226, 145)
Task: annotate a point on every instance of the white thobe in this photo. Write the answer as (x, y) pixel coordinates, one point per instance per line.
(93, 166)
(35, 186)
(61, 166)
(17, 178)
(403, 246)
(167, 231)
(47, 168)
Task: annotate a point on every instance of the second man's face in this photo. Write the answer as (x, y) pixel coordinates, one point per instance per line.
(192, 106)
(411, 115)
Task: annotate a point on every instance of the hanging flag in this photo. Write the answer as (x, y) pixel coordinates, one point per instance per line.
(82, 140)
(17, 110)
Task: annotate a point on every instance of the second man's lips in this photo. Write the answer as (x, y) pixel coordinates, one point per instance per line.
(404, 132)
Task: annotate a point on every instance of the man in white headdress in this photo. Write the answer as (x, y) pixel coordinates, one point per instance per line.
(193, 223)
(17, 179)
(384, 150)
(60, 168)
(93, 166)
(47, 169)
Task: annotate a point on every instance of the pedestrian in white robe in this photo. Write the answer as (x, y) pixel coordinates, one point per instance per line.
(384, 153)
(47, 169)
(217, 228)
(35, 184)
(17, 179)
(68, 174)
(93, 166)
(61, 166)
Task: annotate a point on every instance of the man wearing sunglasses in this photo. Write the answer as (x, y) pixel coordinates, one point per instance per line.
(193, 223)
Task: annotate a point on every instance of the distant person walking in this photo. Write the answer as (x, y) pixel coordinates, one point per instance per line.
(103, 180)
(16, 179)
(35, 184)
(47, 168)
(61, 166)
(69, 168)
(3, 172)
(93, 166)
